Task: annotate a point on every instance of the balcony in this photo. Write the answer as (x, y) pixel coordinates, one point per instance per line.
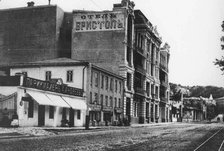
(163, 67)
(140, 51)
(164, 83)
(140, 91)
(163, 99)
(140, 69)
(155, 96)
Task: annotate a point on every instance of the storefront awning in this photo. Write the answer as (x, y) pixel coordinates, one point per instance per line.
(41, 98)
(57, 100)
(75, 103)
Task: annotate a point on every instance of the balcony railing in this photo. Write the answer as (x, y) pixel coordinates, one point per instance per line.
(140, 90)
(164, 83)
(140, 69)
(164, 67)
(163, 99)
(140, 51)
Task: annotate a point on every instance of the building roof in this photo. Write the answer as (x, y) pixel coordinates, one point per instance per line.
(57, 62)
(51, 62)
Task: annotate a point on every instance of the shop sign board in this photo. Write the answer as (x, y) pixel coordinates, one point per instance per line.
(98, 21)
(47, 86)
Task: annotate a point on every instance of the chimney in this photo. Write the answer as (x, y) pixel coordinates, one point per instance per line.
(30, 4)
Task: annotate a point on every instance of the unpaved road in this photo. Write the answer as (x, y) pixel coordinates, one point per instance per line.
(179, 136)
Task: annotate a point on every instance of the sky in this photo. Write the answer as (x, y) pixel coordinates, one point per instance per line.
(192, 28)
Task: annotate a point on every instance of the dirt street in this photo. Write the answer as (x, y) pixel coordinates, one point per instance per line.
(172, 136)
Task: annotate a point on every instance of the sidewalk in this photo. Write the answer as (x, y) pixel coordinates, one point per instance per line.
(20, 132)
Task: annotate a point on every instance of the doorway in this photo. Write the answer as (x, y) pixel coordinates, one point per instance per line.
(41, 115)
(71, 117)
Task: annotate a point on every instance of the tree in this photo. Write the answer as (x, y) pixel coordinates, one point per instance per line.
(220, 62)
(211, 113)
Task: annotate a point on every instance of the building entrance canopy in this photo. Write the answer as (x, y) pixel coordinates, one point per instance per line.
(75, 103)
(56, 100)
(41, 98)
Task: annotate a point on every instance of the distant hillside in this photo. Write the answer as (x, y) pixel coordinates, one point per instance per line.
(197, 91)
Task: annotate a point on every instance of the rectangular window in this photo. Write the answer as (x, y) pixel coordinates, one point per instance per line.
(91, 79)
(106, 100)
(30, 108)
(48, 75)
(78, 114)
(106, 83)
(111, 84)
(111, 101)
(69, 76)
(115, 102)
(102, 81)
(129, 81)
(90, 97)
(147, 88)
(120, 89)
(96, 99)
(101, 99)
(51, 112)
(119, 103)
(116, 86)
(96, 79)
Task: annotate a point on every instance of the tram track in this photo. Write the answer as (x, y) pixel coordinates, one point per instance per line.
(213, 143)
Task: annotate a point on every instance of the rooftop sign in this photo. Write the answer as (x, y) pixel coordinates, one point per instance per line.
(47, 86)
(102, 21)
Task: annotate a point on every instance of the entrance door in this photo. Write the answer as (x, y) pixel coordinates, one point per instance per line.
(41, 115)
(128, 108)
(71, 117)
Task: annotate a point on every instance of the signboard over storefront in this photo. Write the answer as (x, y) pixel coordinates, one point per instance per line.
(47, 86)
(98, 21)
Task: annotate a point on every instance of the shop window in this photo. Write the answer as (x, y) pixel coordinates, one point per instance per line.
(30, 108)
(69, 76)
(135, 109)
(48, 75)
(78, 114)
(51, 112)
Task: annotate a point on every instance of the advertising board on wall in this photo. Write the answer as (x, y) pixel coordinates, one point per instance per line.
(98, 21)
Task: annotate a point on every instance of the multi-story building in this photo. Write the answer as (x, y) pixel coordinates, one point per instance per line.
(99, 92)
(106, 39)
(125, 42)
(122, 41)
(34, 33)
(164, 83)
(147, 70)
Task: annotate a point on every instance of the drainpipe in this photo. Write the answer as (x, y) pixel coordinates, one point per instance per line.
(88, 66)
(83, 76)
